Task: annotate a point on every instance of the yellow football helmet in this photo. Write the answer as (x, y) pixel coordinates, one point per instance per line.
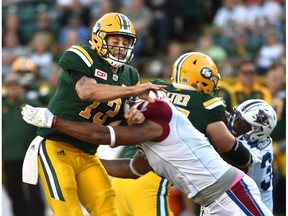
(195, 71)
(25, 68)
(113, 24)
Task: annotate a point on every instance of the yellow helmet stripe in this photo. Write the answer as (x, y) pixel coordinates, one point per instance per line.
(84, 55)
(178, 65)
(124, 22)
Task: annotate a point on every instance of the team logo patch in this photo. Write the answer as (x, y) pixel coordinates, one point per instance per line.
(206, 72)
(263, 118)
(100, 74)
(185, 80)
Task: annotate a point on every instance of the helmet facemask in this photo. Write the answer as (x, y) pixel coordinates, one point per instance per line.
(252, 120)
(118, 61)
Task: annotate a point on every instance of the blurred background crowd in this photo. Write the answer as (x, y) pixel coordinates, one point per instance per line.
(246, 39)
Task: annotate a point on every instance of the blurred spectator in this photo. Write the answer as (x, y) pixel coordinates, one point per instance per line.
(161, 67)
(243, 46)
(228, 21)
(141, 17)
(10, 51)
(263, 14)
(270, 52)
(275, 80)
(164, 12)
(226, 92)
(247, 86)
(74, 24)
(68, 7)
(207, 46)
(46, 21)
(41, 54)
(26, 199)
(72, 38)
(99, 8)
(12, 24)
(174, 50)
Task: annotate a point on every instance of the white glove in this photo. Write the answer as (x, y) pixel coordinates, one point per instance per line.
(40, 117)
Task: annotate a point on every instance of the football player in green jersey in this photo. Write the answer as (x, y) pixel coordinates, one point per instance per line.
(194, 79)
(92, 87)
(193, 90)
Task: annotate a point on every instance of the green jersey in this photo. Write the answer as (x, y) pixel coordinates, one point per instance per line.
(201, 109)
(66, 103)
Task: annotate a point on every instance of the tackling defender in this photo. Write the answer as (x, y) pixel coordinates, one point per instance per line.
(176, 151)
(252, 122)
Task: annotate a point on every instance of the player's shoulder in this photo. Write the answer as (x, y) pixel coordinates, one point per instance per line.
(210, 102)
(78, 54)
(159, 82)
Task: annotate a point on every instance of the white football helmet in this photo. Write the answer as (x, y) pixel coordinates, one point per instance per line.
(253, 120)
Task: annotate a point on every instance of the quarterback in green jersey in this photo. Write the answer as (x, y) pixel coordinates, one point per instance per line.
(92, 87)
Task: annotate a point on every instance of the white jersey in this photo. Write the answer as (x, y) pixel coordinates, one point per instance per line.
(187, 158)
(261, 173)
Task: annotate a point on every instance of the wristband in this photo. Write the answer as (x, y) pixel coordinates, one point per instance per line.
(112, 136)
(54, 122)
(133, 170)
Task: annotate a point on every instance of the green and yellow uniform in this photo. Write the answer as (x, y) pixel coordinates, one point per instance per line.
(257, 91)
(201, 109)
(63, 159)
(145, 196)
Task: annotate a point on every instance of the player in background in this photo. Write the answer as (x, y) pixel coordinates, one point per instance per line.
(252, 122)
(27, 72)
(172, 148)
(91, 88)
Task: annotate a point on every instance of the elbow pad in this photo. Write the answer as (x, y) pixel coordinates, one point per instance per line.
(239, 154)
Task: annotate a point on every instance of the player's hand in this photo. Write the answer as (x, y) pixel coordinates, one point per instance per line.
(134, 116)
(40, 117)
(143, 91)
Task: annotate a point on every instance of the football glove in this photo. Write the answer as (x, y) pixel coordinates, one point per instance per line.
(40, 117)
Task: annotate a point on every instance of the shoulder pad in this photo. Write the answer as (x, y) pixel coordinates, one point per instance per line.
(214, 102)
(82, 53)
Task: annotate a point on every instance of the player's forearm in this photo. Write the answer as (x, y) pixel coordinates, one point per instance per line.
(118, 168)
(99, 134)
(88, 132)
(102, 92)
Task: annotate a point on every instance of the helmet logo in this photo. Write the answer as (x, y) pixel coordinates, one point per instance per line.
(185, 80)
(206, 72)
(263, 118)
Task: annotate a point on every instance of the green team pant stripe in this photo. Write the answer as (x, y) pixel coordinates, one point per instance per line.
(162, 206)
(50, 175)
(178, 66)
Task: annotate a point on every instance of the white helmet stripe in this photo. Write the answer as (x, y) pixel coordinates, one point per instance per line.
(124, 22)
(178, 64)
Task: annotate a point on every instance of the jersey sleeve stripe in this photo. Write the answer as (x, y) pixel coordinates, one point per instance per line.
(211, 101)
(83, 54)
(215, 104)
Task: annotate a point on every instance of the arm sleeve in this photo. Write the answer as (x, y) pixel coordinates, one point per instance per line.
(76, 76)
